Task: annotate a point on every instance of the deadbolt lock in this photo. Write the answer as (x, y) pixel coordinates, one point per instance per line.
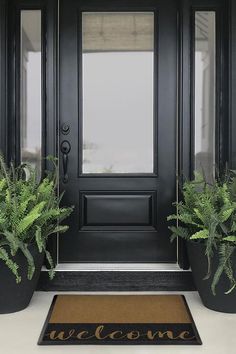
(65, 129)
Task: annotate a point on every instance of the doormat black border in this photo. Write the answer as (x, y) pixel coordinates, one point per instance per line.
(192, 325)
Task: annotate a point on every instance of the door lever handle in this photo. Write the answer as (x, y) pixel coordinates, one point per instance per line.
(65, 149)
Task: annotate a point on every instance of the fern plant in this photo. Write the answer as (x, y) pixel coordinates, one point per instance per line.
(29, 213)
(207, 214)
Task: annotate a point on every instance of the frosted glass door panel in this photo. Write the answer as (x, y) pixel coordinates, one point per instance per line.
(118, 92)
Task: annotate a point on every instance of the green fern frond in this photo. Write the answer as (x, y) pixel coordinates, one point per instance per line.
(59, 229)
(4, 256)
(225, 214)
(3, 184)
(29, 219)
(8, 197)
(230, 239)
(49, 215)
(172, 217)
(207, 213)
(230, 289)
(199, 215)
(24, 203)
(12, 241)
(225, 253)
(51, 271)
(30, 260)
(29, 210)
(39, 239)
(64, 213)
(202, 234)
(233, 227)
(3, 220)
(178, 231)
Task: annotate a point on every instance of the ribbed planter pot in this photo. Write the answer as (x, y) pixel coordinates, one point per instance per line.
(198, 262)
(15, 297)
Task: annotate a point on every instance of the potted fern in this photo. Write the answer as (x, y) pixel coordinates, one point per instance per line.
(206, 219)
(29, 214)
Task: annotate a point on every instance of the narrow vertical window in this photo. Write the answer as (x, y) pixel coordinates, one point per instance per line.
(205, 88)
(30, 88)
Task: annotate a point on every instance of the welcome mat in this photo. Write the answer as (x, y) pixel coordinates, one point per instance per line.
(119, 319)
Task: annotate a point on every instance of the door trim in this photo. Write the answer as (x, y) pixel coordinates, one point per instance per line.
(7, 95)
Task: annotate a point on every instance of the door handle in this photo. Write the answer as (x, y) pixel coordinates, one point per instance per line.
(65, 149)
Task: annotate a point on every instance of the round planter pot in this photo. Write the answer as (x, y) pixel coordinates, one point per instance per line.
(15, 297)
(198, 262)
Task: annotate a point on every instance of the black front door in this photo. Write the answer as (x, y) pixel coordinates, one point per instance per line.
(117, 108)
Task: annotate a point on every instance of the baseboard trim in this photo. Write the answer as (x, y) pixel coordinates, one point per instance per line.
(117, 281)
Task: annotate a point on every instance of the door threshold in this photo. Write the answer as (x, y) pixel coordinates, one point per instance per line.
(122, 267)
(117, 277)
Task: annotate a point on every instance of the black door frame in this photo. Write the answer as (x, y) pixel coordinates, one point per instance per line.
(226, 93)
(10, 83)
(225, 81)
(98, 243)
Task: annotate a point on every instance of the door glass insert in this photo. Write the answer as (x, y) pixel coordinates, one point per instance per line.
(205, 87)
(30, 88)
(117, 91)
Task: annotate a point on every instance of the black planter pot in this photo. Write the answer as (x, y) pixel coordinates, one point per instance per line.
(15, 297)
(198, 262)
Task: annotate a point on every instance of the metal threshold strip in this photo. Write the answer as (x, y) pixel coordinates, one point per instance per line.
(129, 267)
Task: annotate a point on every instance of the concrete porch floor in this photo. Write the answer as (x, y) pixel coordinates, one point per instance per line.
(19, 332)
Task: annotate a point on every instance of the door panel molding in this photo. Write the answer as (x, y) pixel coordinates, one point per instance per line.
(108, 210)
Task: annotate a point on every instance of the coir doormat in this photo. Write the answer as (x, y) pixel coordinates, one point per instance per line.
(119, 319)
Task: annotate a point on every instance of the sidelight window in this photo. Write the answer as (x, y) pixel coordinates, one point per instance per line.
(30, 88)
(205, 88)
